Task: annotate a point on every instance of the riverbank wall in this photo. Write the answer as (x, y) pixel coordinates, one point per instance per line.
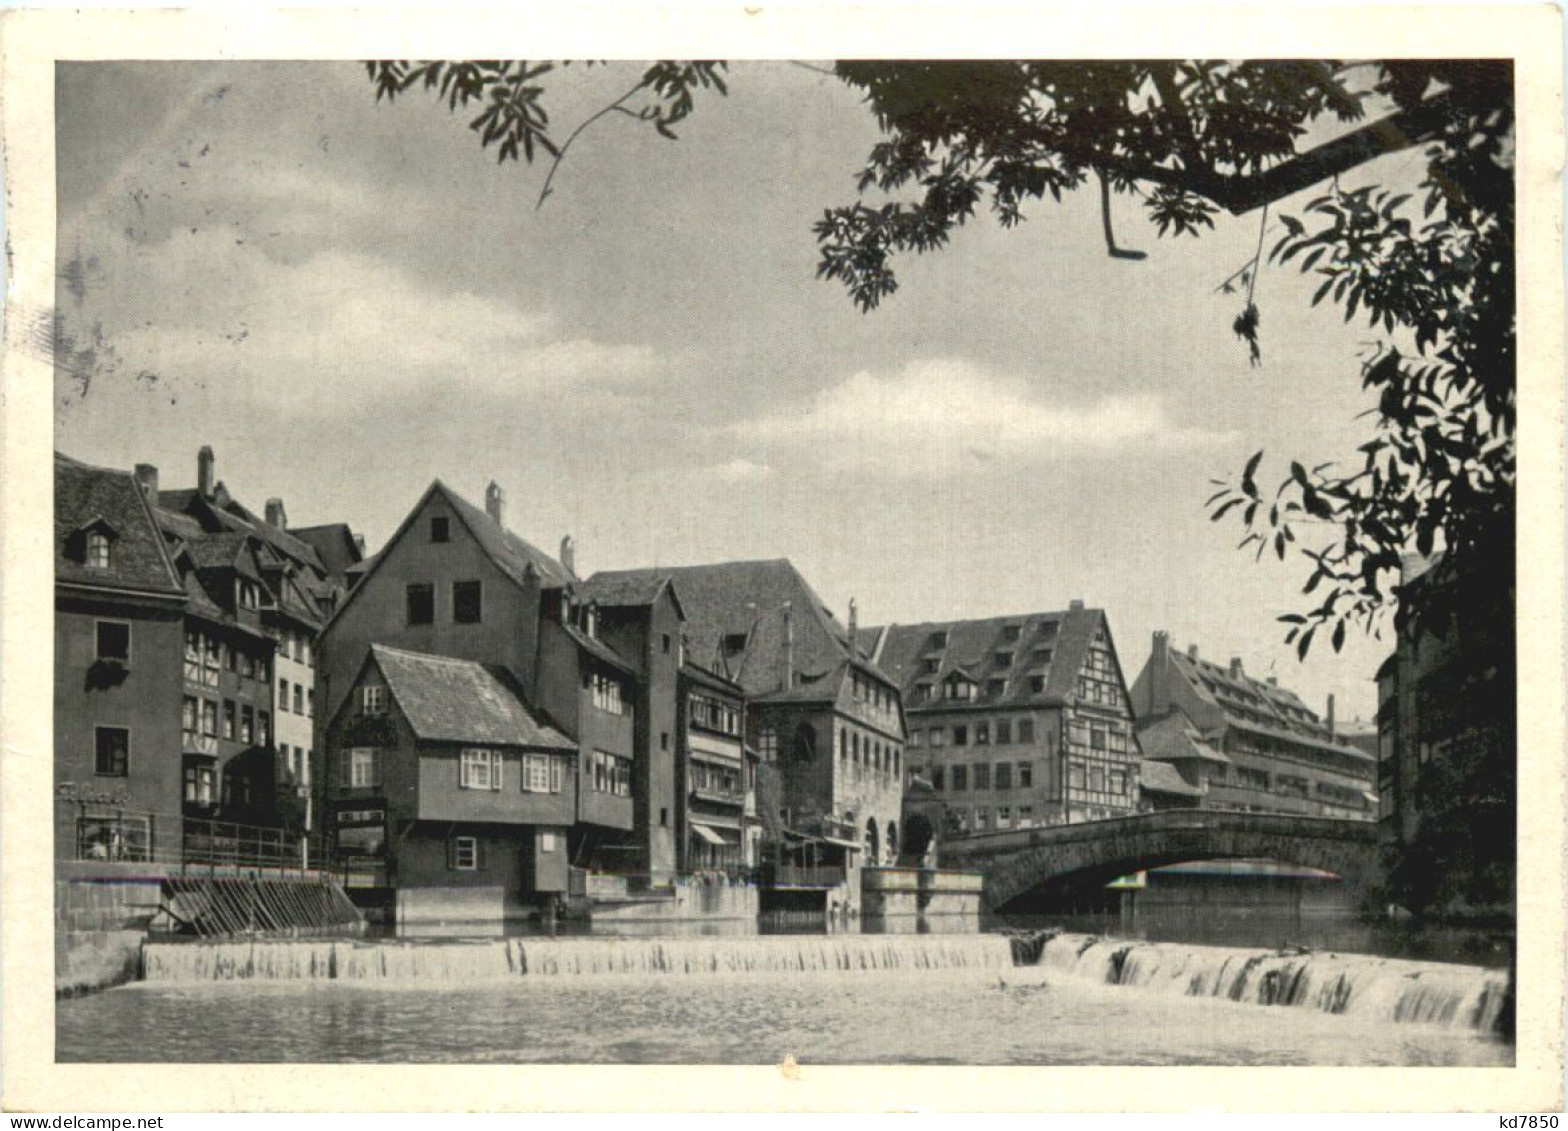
(102, 915)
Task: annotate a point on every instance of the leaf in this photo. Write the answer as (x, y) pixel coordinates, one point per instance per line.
(1249, 483)
(1339, 636)
(1305, 642)
(1292, 618)
(1219, 514)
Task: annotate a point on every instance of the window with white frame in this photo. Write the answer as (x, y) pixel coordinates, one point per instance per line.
(543, 773)
(607, 694)
(610, 773)
(463, 854)
(479, 769)
(362, 767)
(98, 550)
(373, 700)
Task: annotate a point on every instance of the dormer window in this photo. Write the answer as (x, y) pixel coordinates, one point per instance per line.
(933, 665)
(939, 640)
(1004, 659)
(1010, 633)
(98, 550)
(440, 528)
(591, 621)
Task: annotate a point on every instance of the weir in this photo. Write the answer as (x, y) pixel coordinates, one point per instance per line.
(1365, 986)
(427, 963)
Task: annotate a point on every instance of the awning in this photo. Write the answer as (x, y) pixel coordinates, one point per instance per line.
(1371, 797)
(705, 833)
(855, 844)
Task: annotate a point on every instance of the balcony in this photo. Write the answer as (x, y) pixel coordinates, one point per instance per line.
(819, 877)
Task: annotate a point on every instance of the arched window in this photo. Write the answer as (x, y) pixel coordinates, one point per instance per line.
(892, 842)
(854, 747)
(804, 747)
(843, 744)
(872, 844)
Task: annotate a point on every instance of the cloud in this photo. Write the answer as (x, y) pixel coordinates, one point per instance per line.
(738, 470)
(338, 333)
(935, 416)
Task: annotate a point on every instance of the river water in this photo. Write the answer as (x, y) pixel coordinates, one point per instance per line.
(846, 999)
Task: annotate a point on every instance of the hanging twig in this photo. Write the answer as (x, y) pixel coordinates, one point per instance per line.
(611, 108)
(1105, 216)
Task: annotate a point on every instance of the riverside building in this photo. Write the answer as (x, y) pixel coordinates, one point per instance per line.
(1247, 744)
(1016, 721)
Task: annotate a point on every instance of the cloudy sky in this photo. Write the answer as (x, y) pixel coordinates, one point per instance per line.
(347, 300)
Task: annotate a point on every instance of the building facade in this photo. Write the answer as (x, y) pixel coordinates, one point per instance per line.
(448, 794)
(825, 721)
(1016, 721)
(118, 627)
(1248, 744)
(716, 820)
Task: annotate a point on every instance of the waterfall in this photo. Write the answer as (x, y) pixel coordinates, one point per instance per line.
(431, 963)
(1358, 985)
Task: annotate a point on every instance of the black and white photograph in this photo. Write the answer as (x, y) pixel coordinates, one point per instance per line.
(898, 559)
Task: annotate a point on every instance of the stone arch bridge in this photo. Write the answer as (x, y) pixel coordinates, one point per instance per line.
(1018, 861)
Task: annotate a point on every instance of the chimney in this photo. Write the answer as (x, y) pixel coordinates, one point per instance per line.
(1076, 604)
(147, 476)
(1273, 681)
(495, 503)
(1192, 651)
(854, 623)
(1159, 675)
(204, 477)
(789, 646)
(359, 544)
(1330, 719)
(569, 555)
(276, 516)
(1235, 667)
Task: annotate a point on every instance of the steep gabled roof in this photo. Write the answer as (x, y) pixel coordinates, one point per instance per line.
(627, 590)
(972, 647)
(1173, 738)
(511, 555)
(334, 544)
(138, 558)
(1254, 704)
(744, 601)
(450, 700)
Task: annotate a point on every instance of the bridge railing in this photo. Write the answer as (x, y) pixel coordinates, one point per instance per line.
(1174, 820)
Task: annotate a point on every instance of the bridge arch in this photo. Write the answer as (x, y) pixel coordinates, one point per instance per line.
(1020, 861)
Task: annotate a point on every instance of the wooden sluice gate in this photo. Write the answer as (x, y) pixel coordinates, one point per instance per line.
(216, 906)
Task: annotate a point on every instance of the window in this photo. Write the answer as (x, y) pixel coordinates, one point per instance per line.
(98, 550)
(479, 769)
(606, 694)
(283, 695)
(933, 665)
(1025, 775)
(610, 773)
(1004, 731)
(1097, 738)
(113, 751)
(299, 649)
(854, 747)
(1025, 814)
(310, 654)
(1010, 632)
(190, 717)
(936, 778)
(1004, 775)
(209, 718)
(1026, 730)
(421, 603)
(228, 719)
(1042, 655)
(310, 702)
(373, 700)
(916, 739)
(363, 767)
(200, 783)
(466, 601)
(440, 528)
(1075, 775)
(960, 778)
(961, 736)
(982, 734)
(212, 661)
(938, 738)
(1097, 779)
(665, 643)
(982, 820)
(542, 773)
(114, 641)
(1118, 781)
(995, 686)
(299, 699)
(463, 854)
(247, 724)
(1036, 684)
(983, 775)
(768, 744)
(1004, 817)
(1004, 659)
(664, 740)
